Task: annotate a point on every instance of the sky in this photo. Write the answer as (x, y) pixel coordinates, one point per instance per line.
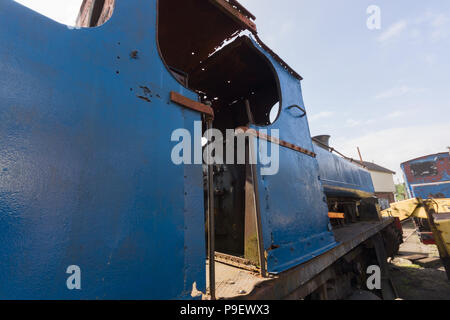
(384, 90)
(62, 11)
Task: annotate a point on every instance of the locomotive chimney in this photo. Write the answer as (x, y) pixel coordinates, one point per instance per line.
(322, 141)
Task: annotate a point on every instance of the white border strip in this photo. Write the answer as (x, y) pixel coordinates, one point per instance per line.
(429, 184)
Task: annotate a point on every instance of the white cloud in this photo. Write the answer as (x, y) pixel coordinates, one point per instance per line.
(395, 114)
(353, 123)
(390, 147)
(429, 26)
(393, 31)
(394, 92)
(321, 115)
(435, 25)
(398, 92)
(439, 24)
(439, 20)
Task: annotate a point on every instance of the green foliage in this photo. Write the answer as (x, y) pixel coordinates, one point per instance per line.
(400, 192)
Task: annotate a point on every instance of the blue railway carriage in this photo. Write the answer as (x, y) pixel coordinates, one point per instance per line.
(92, 204)
(428, 176)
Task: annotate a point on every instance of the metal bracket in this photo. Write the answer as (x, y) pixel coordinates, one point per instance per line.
(191, 104)
(277, 141)
(298, 107)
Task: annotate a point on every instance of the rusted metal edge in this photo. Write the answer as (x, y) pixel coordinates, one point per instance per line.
(234, 13)
(191, 104)
(233, 261)
(277, 58)
(243, 9)
(277, 141)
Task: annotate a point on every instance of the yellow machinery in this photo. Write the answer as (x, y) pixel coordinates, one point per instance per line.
(437, 212)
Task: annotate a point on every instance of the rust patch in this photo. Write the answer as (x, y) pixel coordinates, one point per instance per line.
(146, 94)
(144, 98)
(273, 247)
(134, 54)
(146, 90)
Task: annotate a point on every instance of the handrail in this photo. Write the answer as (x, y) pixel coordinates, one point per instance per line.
(331, 149)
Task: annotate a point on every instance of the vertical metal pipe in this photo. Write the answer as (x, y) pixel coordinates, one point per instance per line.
(211, 226)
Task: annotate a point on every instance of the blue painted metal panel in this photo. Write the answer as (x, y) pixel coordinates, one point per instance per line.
(432, 191)
(341, 178)
(85, 171)
(294, 214)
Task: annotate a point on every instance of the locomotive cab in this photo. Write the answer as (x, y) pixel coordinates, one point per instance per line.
(226, 70)
(258, 221)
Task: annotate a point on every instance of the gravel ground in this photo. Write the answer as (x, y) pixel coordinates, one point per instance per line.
(417, 272)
